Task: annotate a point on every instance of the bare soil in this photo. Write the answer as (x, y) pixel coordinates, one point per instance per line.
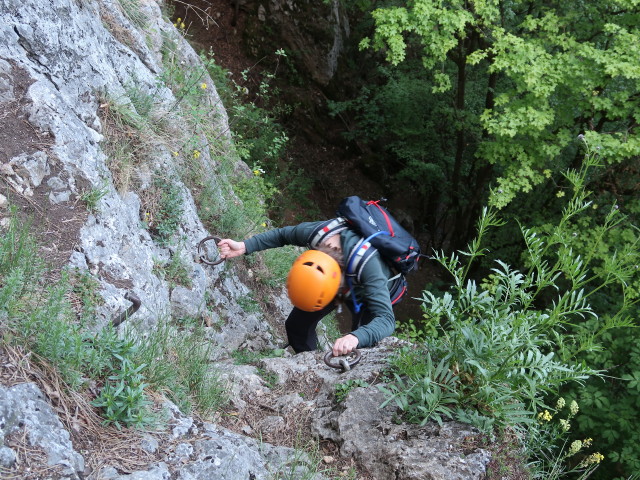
(55, 227)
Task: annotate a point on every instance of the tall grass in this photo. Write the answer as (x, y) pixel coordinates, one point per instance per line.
(56, 320)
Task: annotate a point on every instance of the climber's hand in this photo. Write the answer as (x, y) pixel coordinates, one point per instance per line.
(344, 345)
(230, 248)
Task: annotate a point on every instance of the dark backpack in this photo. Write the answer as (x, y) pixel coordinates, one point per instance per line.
(380, 233)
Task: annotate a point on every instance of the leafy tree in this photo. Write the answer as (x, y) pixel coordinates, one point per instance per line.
(522, 79)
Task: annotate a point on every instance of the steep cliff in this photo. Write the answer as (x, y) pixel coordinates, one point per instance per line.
(114, 142)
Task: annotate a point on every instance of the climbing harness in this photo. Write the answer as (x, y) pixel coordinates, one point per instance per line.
(345, 363)
(204, 252)
(132, 297)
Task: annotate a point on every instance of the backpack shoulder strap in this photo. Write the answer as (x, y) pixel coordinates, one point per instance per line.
(360, 254)
(326, 230)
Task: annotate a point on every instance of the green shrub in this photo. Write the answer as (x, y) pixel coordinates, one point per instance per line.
(506, 345)
(122, 399)
(178, 363)
(163, 206)
(173, 271)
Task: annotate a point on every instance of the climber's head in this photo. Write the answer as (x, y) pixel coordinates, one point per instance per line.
(313, 280)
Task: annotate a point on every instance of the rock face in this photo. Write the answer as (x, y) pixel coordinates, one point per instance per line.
(59, 61)
(364, 430)
(313, 33)
(24, 408)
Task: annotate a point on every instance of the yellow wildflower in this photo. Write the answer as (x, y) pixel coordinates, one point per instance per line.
(560, 194)
(573, 408)
(587, 442)
(203, 86)
(547, 173)
(545, 416)
(264, 224)
(591, 459)
(182, 26)
(596, 457)
(196, 154)
(560, 403)
(565, 425)
(175, 154)
(576, 445)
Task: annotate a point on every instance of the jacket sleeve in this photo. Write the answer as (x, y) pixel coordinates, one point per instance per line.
(374, 293)
(279, 237)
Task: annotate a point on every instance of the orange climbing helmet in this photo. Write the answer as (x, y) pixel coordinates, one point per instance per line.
(313, 280)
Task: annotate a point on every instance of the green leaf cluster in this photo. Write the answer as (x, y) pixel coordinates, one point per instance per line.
(122, 399)
(343, 389)
(504, 345)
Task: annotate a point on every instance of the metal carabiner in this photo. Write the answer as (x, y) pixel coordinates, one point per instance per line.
(344, 362)
(202, 256)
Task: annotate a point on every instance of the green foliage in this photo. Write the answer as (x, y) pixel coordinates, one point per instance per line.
(248, 357)
(504, 346)
(277, 265)
(221, 216)
(270, 378)
(87, 288)
(415, 332)
(133, 11)
(248, 303)
(178, 363)
(308, 463)
(39, 315)
(261, 141)
(92, 197)
(426, 397)
(121, 145)
(253, 121)
(402, 116)
(557, 74)
(17, 267)
(343, 389)
(173, 271)
(602, 235)
(477, 95)
(122, 398)
(163, 207)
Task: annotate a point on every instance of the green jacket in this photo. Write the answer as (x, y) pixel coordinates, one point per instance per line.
(373, 292)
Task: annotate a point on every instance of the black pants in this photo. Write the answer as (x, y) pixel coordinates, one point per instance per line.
(301, 325)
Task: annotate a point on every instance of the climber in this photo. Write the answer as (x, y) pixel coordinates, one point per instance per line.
(316, 286)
